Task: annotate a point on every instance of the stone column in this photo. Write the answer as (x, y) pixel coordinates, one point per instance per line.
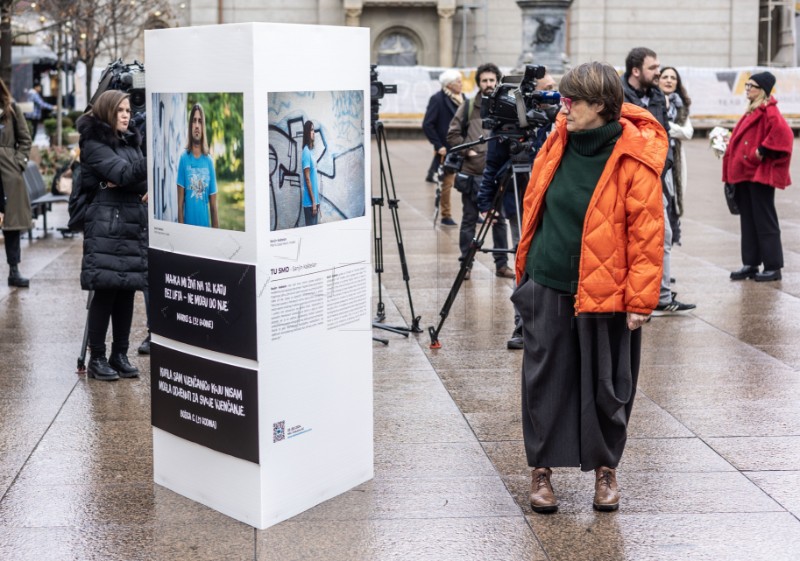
(352, 10)
(446, 10)
(544, 33)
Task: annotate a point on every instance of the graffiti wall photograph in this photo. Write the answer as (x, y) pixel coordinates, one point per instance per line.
(316, 157)
(198, 159)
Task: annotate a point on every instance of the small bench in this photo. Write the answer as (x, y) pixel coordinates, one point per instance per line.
(41, 200)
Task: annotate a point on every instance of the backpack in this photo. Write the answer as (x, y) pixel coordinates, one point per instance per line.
(79, 200)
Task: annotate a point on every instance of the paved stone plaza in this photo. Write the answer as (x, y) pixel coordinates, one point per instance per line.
(711, 470)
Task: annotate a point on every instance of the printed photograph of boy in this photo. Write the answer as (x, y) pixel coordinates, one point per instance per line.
(198, 159)
(316, 157)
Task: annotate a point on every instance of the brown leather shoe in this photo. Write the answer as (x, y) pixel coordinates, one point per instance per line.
(606, 492)
(543, 500)
(505, 272)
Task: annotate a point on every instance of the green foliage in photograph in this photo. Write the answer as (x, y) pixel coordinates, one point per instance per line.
(230, 205)
(225, 130)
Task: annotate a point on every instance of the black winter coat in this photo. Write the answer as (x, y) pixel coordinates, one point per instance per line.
(441, 110)
(657, 107)
(115, 234)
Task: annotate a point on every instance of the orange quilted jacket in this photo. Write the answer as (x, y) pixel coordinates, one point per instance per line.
(622, 246)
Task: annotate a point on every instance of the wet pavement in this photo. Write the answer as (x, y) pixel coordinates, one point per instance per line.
(711, 470)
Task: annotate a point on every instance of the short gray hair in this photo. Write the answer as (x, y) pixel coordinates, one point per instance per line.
(449, 76)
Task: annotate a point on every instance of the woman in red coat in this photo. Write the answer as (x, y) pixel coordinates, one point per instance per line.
(757, 162)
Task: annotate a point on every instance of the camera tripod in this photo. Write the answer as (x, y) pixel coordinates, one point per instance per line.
(388, 196)
(518, 164)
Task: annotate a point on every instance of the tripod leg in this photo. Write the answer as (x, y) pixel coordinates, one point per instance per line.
(389, 193)
(377, 228)
(466, 264)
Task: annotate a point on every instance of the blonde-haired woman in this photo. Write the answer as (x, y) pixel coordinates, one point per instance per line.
(757, 162)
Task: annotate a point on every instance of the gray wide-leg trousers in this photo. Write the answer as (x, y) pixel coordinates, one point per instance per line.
(578, 380)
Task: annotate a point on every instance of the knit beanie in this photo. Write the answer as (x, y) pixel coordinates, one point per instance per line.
(765, 80)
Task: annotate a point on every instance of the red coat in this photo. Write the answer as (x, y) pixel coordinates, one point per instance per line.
(622, 247)
(766, 127)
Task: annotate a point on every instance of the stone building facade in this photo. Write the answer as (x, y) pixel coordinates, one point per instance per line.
(467, 32)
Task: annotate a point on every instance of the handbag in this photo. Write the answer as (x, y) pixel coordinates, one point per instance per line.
(465, 183)
(730, 198)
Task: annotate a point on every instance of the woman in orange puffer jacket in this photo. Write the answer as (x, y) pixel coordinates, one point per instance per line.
(589, 269)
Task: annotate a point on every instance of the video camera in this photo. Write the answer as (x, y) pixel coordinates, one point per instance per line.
(128, 78)
(516, 106)
(377, 90)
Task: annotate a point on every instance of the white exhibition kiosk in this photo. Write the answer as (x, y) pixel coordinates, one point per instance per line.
(260, 267)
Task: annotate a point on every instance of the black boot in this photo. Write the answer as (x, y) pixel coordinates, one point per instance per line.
(16, 279)
(515, 343)
(99, 369)
(144, 348)
(120, 362)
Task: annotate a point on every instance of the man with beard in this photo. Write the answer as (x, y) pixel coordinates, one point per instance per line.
(466, 126)
(640, 86)
(197, 181)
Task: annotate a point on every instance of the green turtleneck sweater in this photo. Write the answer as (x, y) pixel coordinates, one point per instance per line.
(555, 253)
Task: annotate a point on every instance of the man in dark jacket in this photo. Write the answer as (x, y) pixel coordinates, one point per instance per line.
(441, 109)
(640, 86)
(467, 126)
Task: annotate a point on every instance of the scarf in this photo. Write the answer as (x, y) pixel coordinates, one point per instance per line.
(675, 103)
(458, 99)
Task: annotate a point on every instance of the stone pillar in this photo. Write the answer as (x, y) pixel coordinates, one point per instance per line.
(352, 10)
(446, 10)
(544, 33)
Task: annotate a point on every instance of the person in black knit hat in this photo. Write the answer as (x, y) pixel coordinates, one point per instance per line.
(757, 162)
(765, 80)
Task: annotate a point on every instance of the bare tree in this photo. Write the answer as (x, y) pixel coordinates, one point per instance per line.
(102, 27)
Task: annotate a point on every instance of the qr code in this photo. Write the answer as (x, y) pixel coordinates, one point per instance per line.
(278, 431)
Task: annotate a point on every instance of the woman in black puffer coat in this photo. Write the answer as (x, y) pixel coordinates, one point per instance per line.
(115, 233)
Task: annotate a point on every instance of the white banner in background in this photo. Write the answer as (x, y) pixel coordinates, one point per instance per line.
(717, 93)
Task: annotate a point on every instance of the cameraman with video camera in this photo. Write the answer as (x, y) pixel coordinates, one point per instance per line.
(497, 160)
(467, 126)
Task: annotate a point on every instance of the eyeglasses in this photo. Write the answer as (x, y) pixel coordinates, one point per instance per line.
(567, 102)
(752, 86)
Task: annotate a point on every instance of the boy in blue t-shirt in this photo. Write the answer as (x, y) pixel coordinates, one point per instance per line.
(197, 181)
(310, 180)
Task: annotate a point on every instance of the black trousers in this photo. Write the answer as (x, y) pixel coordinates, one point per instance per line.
(116, 306)
(579, 378)
(469, 221)
(13, 251)
(761, 233)
(433, 169)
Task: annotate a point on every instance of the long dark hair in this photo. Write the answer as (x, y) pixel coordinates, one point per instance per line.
(197, 108)
(308, 126)
(687, 101)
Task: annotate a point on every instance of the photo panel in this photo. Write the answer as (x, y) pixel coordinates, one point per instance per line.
(316, 157)
(198, 159)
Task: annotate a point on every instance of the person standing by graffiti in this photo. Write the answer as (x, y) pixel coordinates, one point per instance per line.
(197, 181)
(310, 177)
